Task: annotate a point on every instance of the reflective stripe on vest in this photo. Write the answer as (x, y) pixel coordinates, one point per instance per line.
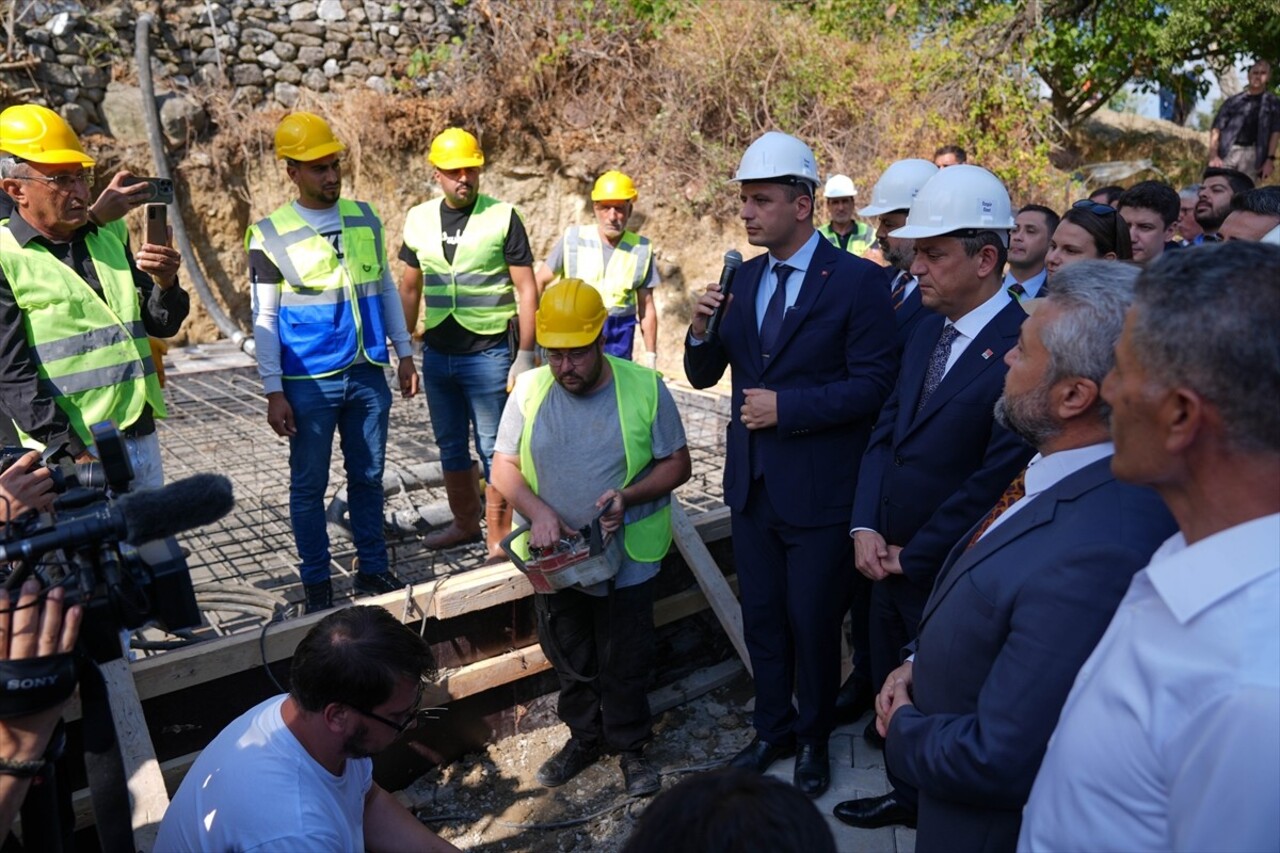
(330, 309)
(627, 271)
(91, 352)
(476, 288)
(859, 240)
(647, 531)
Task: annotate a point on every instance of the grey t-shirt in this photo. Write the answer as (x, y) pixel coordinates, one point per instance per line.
(578, 454)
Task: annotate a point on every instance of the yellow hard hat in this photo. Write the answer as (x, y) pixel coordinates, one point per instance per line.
(36, 133)
(455, 149)
(613, 186)
(305, 137)
(570, 315)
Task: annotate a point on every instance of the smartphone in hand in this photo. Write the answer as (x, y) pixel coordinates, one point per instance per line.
(157, 224)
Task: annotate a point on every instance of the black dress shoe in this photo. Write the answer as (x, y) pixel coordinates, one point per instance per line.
(875, 812)
(759, 755)
(872, 736)
(854, 699)
(813, 769)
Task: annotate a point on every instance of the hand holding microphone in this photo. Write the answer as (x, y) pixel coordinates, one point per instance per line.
(711, 305)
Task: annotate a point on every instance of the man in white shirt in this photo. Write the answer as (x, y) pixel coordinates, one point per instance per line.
(295, 772)
(1024, 595)
(1170, 738)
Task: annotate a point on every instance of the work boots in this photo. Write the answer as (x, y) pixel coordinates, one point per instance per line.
(319, 596)
(497, 521)
(463, 490)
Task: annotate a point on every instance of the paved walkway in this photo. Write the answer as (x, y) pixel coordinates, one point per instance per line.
(857, 770)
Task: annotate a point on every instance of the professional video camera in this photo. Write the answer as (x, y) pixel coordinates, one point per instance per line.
(113, 550)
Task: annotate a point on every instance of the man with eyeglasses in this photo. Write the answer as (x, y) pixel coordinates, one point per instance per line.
(76, 306)
(296, 771)
(592, 435)
(324, 309)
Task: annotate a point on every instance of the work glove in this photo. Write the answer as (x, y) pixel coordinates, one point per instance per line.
(523, 361)
(648, 359)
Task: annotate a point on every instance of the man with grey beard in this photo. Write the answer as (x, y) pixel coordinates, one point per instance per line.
(1024, 596)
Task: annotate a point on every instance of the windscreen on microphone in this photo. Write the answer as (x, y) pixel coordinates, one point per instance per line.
(732, 260)
(189, 503)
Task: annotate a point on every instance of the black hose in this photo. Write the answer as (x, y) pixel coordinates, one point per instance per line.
(220, 319)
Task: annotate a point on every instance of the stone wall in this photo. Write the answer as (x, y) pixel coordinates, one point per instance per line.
(64, 53)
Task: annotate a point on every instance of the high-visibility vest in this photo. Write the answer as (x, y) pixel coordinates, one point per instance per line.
(91, 352)
(330, 309)
(628, 267)
(476, 288)
(859, 240)
(647, 536)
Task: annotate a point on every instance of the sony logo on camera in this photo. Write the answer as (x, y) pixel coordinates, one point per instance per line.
(16, 684)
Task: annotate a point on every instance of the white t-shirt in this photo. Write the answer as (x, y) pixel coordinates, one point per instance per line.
(255, 788)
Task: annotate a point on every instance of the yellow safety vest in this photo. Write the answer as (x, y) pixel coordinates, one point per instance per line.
(91, 352)
(859, 240)
(476, 288)
(628, 267)
(647, 537)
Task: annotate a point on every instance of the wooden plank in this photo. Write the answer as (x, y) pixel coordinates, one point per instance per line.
(723, 602)
(694, 685)
(147, 795)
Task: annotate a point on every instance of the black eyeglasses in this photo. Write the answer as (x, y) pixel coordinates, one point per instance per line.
(575, 356)
(64, 182)
(1095, 207)
(418, 713)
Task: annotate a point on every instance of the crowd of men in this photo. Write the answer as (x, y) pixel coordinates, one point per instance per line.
(977, 432)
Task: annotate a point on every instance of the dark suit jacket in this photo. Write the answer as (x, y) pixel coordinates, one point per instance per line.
(928, 478)
(1004, 633)
(833, 367)
(908, 316)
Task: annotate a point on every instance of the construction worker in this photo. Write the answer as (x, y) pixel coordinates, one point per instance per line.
(843, 230)
(469, 254)
(324, 307)
(76, 306)
(589, 433)
(616, 262)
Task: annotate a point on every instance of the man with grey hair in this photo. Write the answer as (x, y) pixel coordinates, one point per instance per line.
(1188, 231)
(1254, 217)
(1170, 738)
(1027, 592)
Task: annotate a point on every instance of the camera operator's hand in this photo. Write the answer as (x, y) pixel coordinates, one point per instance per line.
(118, 199)
(25, 485)
(280, 414)
(31, 629)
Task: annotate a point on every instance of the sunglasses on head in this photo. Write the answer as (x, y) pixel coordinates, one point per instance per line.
(1095, 207)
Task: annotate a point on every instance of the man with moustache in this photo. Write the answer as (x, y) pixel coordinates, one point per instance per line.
(1025, 595)
(1151, 208)
(1028, 246)
(296, 771)
(1170, 737)
(324, 308)
(1217, 188)
(843, 229)
(468, 262)
(809, 333)
(1188, 230)
(586, 435)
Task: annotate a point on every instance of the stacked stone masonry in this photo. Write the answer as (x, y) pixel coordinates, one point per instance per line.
(64, 51)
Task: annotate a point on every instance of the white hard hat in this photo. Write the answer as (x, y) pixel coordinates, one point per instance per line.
(839, 186)
(959, 198)
(777, 155)
(897, 187)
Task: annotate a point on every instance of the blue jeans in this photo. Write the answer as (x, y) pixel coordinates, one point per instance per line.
(357, 402)
(466, 392)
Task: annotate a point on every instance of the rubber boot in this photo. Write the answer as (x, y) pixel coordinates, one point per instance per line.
(463, 490)
(497, 521)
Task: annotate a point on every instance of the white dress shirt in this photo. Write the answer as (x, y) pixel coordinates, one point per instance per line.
(1170, 739)
(1044, 472)
(971, 324)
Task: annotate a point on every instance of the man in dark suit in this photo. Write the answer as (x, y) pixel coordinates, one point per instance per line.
(809, 333)
(1024, 597)
(937, 461)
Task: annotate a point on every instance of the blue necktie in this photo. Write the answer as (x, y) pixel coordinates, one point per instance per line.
(771, 325)
(937, 365)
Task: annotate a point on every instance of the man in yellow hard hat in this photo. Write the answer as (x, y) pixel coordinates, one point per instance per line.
(587, 435)
(76, 306)
(616, 262)
(468, 253)
(324, 308)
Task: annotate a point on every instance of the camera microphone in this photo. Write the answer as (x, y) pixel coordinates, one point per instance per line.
(732, 260)
(135, 518)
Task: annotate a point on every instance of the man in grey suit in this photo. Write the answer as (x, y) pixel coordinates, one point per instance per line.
(1024, 596)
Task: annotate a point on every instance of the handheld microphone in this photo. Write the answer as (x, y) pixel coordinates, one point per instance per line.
(136, 518)
(732, 260)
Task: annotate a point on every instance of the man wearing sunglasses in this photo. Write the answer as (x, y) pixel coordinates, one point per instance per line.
(296, 771)
(76, 306)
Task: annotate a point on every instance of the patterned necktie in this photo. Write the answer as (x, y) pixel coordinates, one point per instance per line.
(1017, 291)
(771, 325)
(899, 294)
(1017, 491)
(937, 364)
